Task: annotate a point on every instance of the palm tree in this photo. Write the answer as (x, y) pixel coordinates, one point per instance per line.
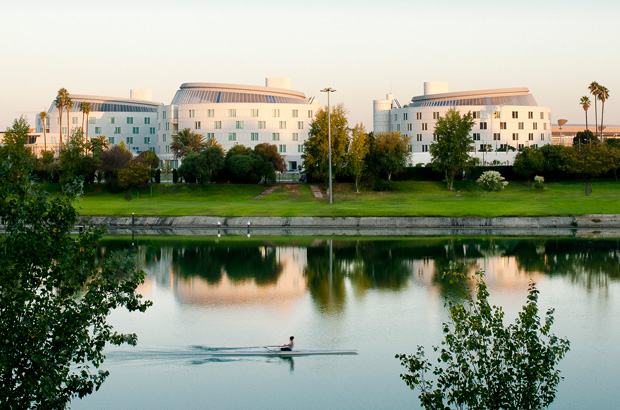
(60, 104)
(186, 142)
(603, 95)
(43, 116)
(86, 108)
(585, 103)
(594, 87)
(68, 106)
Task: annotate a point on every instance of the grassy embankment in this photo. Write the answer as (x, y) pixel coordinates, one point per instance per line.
(413, 198)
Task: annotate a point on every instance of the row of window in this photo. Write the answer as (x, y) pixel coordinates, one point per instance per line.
(496, 136)
(475, 115)
(118, 130)
(241, 125)
(483, 126)
(232, 112)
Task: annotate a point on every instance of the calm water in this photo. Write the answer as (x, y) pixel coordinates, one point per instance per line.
(382, 297)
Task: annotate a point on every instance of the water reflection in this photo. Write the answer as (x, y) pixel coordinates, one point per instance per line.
(235, 271)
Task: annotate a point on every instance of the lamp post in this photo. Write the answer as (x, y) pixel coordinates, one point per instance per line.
(329, 141)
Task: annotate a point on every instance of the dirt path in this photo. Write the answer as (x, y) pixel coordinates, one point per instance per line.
(316, 191)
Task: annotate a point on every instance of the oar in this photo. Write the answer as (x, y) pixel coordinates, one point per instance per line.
(240, 347)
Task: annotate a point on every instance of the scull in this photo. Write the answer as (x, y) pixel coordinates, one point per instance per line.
(284, 353)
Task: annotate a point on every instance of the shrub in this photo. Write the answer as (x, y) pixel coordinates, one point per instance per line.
(492, 181)
(539, 182)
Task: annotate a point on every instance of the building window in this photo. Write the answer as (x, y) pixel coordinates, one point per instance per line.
(535, 126)
(254, 112)
(262, 125)
(424, 148)
(418, 115)
(74, 120)
(436, 115)
(152, 131)
(434, 137)
(276, 113)
(167, 126)
(129, 140)
(211, 113)
(515, 114)
(97, 130)
(483, 125)
(232, 136)
(502, 126)
(129, 120)
(282, 125)
(295, 136)
(295, 113)
(136, 130)
(409, 127)
(159, 127)
(515, 136)
(476, 136)
(117, 130)
(521, 126)
(192, 113)
(64, 130)
(300, 125)
(282, 148)
(147, 140)
(111, 140)
(300, 148)
(197, 124)
(275, 136)
(530, 115)
(210, 135)
(218, 125)
(542, 115)
(496, 136)
(542, 136)
(310, 114)
(496, 115)
(163, 115)
(397, 127)
(405, 116)
(418, 137)
(545, 126)
(395, 117)
(163, 138)
(531, 136)
(520, 146)
(424, 126)
(110, 120)
(254, 136)
(475, 114)
(239, 125)
(232, 112)
(410, 148)
(90, 121)
(147, 120)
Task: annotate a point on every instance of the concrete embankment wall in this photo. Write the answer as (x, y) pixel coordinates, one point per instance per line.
(199, 225)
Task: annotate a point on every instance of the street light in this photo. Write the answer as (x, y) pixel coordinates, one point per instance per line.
(329, 141)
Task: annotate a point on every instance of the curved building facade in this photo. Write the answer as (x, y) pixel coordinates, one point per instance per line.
(240, 114)
(505, 119)
(132, 120)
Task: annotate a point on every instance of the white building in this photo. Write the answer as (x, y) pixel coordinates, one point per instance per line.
(132, 120)
(504, 118)
(240, 114)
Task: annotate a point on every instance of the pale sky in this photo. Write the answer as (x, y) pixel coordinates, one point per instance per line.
(361, 48)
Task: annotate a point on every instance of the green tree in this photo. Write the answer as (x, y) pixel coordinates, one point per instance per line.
(43, 115)
(68, 107)
(528, 162)
(555, 157)
(71, 157)
(54, 302)
(316, 146)
(187, 169)
(483, 364)
(389, 152)
(14, 151)
(357, 153)
(86, 108)
(136, 174)
(603, 95)
(97, 145)
(590, 162)
(61, 99)
(594, 90)
(585, 103)
(209, 163)
(584, 138)
(186, 142)
(269, 152)
(450, 153)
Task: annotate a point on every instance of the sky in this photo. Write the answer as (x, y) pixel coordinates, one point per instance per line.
(363, 49)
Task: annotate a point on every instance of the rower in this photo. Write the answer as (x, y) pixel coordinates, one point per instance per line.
(289, 346)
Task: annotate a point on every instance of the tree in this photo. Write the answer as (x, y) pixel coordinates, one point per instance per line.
(269, 152)
(86, 108)
(594, 90)
(585, 103)
(54, 301)
(357, 153)
(71, 158)
(113, 160)
(603, 95)
(483, 364)
(584, 138)
(210, 162)
(528, 162)
(450, 153)
(149, 158)
(97, 145)
(389, 152)
(316, 147)
(43, 115)
(186, 142)
(61, 99)
(14, 151)
(68, 107)
(555, 157)
(136, 174)
(590, 162)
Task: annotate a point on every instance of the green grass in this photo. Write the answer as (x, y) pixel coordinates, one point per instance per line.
(412, 198)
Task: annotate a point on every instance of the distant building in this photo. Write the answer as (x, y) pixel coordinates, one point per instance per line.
(564, 135)
(505, 119)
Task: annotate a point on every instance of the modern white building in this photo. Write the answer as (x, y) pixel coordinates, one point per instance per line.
(132, 120)
(240, 114)
(505, 118)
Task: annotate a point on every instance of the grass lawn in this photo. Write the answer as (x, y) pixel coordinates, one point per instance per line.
(412, 198)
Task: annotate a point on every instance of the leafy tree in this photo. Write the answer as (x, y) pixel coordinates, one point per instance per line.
(357, 153)
(450, 153)
(584, 138)
(555, 157)
(529, 162)
(114, 159)
(68, 107)
(54, 302)
(175, 176)
(269, 152)
(240, 167)
(186, 142)
(14, 150)
(389, 152)
(212, 142)
(149, 158)
(60, 103)
(590, 162)
(86, 108)
(47, 157)
(315, 156)
(136, 174)
(483, 364)
(210, 163)
(97, 145)
(44, 117)
(71, 157)
(187, 169)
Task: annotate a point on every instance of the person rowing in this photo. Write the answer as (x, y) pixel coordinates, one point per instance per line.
(289, 346)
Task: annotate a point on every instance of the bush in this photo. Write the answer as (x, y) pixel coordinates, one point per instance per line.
(492, 181)
(539, 182)
(175, 176)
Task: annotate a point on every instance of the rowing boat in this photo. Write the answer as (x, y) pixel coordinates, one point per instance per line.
(284, 353)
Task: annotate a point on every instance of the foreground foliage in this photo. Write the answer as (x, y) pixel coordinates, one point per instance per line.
(54, 300)
(483, 364)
